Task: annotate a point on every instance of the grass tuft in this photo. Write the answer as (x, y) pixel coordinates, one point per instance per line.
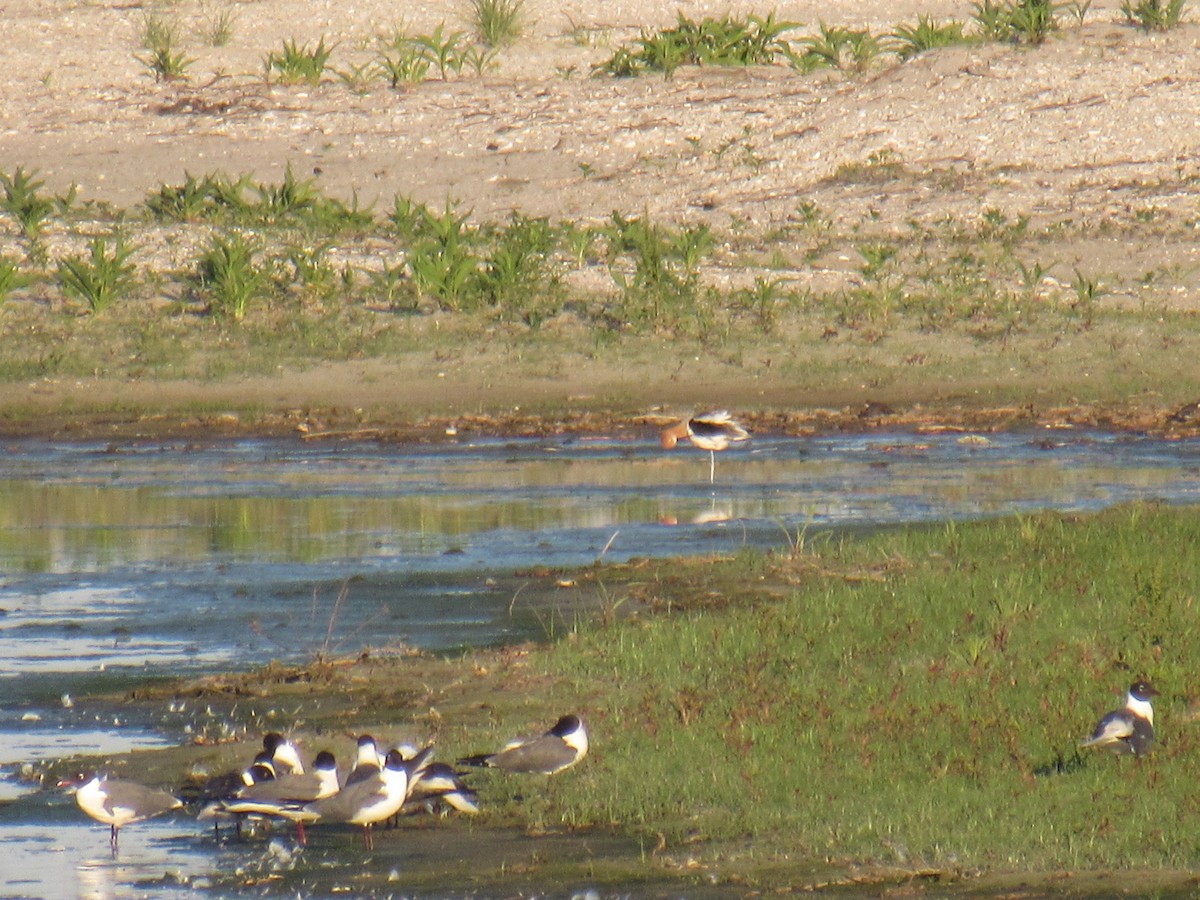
(100, 277)
(298, 63)
(1154, 15)
(498, 22)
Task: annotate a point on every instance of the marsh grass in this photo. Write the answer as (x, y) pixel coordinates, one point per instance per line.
(913, 698)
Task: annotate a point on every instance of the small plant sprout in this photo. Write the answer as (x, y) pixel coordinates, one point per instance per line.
(443, 50)
(1079, 9)
(498, 22)
(164, 60)
(847, 49)
(217, 26)
(25, 203)
(11, 277)
(299, 64)
(926, 34)
(100, 277)
(231, 275)
(401, 60)
(1153, 15)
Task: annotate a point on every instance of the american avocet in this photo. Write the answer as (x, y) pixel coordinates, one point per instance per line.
(559, 748)
(711, 431)
(1131, 728)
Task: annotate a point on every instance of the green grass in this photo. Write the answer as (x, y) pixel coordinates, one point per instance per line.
(912, 698)
(498, 22)
(1154, 15)
(101, 277)
(297, 63)
(752, 41)
(990, 289)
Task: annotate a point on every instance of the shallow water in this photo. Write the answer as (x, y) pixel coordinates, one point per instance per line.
(119, 564)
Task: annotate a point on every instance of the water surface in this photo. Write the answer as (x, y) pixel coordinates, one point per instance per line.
(118, 564)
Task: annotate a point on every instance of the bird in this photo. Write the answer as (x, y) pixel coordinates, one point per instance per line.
(284, 755)
(559, 748)
(278, 796)
(1129, 730)
(117, 802)
(217, 791)
(374, 799)
(367, 761)
(435, 786)
(711, 431)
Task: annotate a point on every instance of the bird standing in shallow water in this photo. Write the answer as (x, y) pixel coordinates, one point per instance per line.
(1131, 728)
(116, 803)
(711, 431)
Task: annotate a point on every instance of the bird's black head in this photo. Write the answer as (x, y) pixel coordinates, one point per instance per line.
(565, 725)
(325, 760)
(1142, 690)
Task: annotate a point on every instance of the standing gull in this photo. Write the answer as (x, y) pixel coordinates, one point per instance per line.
(116, 803)
(374, 799)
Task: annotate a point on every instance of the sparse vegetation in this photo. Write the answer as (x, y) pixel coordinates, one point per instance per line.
(498, 22)
(298, 63)
(164, 60)
(1154, 15)
(727, 41)
(100, 277)
(230, 274)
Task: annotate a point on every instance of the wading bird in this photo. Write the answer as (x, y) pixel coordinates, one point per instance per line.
(711, 431)
(116, 803)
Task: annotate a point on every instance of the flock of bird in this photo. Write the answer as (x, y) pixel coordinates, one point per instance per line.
(379, 787)
(406, 780)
